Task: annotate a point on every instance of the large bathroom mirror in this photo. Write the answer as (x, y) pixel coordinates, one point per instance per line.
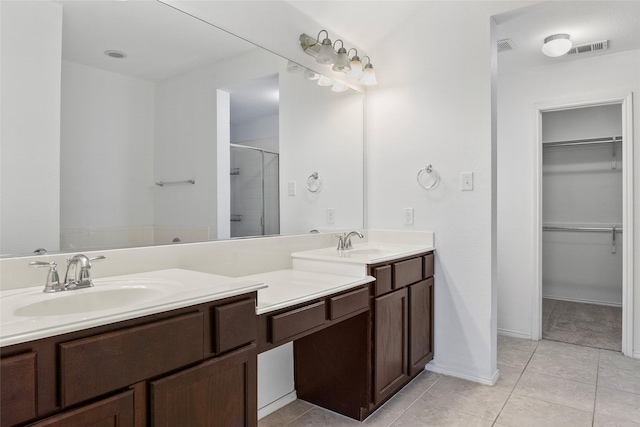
(170, 131)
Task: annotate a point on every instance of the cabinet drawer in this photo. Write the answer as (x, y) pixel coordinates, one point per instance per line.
(407, 272)
(428, 265)
(18, 389)
(96, 365)
(348, 303)
(383, 277)
(293, 322)
(234, 325)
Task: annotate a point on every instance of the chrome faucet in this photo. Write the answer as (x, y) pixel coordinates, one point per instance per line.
(344, 241)
(80, 268)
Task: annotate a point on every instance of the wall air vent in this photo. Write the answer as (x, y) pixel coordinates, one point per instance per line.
(505, 45)
(589, 47)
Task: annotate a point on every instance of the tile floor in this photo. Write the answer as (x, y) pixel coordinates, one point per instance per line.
(542, 384)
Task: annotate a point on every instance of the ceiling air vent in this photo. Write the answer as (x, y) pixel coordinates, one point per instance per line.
(505, 45)
(589, 47)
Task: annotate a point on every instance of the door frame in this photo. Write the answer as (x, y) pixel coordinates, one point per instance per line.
(626, 101)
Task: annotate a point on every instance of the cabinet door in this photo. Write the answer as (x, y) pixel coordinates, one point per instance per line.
(218, 392)
(390, 344)
(420, 325)
(116, 411)
(18, 389)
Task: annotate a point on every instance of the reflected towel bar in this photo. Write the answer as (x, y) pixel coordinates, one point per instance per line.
(188, 181)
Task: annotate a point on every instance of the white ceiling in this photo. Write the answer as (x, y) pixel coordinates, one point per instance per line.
(585, 21)
(367, 23)
(154, 50)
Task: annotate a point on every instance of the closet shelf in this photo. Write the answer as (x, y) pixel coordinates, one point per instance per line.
(580, 142)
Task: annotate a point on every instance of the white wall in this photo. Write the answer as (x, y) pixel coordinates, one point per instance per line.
(30, 126)
(106, 153)
(433, 106)
(333, 150)
(580, 80)
(260, 128)
(580, 188)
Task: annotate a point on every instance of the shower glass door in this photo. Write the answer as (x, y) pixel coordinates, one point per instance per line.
(255, 209)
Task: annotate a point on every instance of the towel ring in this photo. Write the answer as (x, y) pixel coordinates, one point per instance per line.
(429, 170)
(314, 178)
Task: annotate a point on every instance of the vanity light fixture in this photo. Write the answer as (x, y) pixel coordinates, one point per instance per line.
(342, 59)
(368, 75)
(310, 74)
(292, 67)
(326, 54)
(355, 64)
(339, 87)
(324, 81)
(556, 45)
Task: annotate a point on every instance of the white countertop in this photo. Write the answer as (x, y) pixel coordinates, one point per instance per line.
(367, 253)
(286, 288)
(171, 289)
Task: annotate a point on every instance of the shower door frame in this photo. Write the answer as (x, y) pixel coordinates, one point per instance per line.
(626, 102)
(262, 152)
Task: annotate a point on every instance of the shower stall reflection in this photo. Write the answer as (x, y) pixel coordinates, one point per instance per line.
(255, 209)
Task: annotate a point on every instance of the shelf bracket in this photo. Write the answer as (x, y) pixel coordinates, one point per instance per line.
(614, 160)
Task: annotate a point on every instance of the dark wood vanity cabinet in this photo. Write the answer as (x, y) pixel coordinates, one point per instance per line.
(191, 366)
(354, 366)
(403, 322)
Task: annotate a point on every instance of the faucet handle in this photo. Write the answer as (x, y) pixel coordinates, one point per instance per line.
(98, 258)
(53, 280)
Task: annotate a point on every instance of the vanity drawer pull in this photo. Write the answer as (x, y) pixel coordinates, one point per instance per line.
(383, 279)
(428, 265)
(407, 272)
(342, 305)
(96, 365)
(294, 322)
(18, 388)
(234, 325)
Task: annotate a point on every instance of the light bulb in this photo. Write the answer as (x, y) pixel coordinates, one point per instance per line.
(339, 87)
(324, 81)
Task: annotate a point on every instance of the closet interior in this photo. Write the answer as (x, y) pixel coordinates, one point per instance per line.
(582, 226)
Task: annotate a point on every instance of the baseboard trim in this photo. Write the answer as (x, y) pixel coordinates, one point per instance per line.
(439, 369)
(513, 334)
(274, 406)
(584, 301)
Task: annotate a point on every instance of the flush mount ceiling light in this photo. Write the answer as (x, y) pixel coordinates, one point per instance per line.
(340, 61)
(556, 45)
(115, 54)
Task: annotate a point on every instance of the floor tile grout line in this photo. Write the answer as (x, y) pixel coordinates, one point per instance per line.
(595, 396)
(414, 401)
(515, 385)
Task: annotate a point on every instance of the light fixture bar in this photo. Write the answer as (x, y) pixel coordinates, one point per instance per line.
(309, 45)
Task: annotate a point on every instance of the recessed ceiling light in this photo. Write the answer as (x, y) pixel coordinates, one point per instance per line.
(115, 54)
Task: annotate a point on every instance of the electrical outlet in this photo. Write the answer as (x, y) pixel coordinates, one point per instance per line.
(466, 181)
(408, 216)
(292, 188)
(331, 216)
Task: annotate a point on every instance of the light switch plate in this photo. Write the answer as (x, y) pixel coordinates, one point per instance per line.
(466, 181)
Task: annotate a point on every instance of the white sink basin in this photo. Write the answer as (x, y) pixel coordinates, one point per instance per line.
(353, 262)
(28, 313)
(107, 296)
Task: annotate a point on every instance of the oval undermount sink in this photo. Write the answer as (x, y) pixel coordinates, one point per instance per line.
(89, 300)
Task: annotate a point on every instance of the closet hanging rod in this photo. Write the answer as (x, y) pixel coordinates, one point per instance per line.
(593, 229)
(592, 141)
